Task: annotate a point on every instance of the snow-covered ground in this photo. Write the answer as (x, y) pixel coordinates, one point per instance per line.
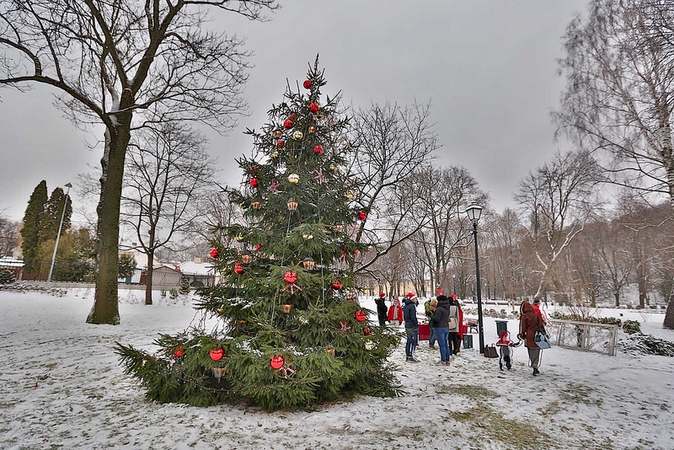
(61, 387)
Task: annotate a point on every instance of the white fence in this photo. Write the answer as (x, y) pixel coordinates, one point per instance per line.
(587, 336)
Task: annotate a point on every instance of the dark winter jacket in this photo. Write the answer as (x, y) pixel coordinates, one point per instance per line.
(410, 314)
(530, 322)
(381, 309)
(441, 316)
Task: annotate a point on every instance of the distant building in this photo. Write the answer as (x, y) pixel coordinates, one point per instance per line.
(199, 273)
(14, 265)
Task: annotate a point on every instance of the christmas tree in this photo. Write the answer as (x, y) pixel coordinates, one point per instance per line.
(289, 331)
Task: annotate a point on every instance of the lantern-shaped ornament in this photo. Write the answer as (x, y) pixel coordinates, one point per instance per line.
(279, 144)
(287, 307)
(277, 361)
(349, 194)
(246, 258)
(307, 84)
(238, 268)
(290, 276)
(312, 129)
(214, 252)
(338, 227)
(331, 351)
(362, 215)
(218, 372)
(293, 178)
(313, 108)
(178, 352)
(318, 149)
(369, 345)
(292, 205)
(288, 124)
(360, 315)
(298, 135)
(308, 263)
(217, 354)
(256, 205)
(254, 182)
(337, 284)
(278, 133)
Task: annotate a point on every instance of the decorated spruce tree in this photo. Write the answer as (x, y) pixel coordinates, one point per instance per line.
(284, 329)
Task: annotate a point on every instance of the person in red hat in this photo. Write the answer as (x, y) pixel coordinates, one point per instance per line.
(411, 325)
(395, 311)
(381, 309)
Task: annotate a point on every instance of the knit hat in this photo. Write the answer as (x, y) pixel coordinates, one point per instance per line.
(411, 295)
(381, 294)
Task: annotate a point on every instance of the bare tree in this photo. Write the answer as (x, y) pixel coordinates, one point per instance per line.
(441, 196)
(620, 69)
(167, 169)
(111, 61)
(9, 234)
(558, 199)
(392, 143)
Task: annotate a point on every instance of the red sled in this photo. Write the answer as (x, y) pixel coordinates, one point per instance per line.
(424, 332)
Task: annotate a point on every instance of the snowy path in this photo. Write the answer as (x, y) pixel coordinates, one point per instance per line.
(61, 387)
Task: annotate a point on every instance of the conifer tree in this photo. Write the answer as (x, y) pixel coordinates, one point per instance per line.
(30, 233)
(288, 329)
(53, 210)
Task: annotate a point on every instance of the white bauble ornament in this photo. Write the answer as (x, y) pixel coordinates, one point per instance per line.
(293, 178)
(297, 135)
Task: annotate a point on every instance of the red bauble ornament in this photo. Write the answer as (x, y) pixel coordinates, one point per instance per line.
(214, 252)
(238, 268)
(258, 247)
(277, 361)
(313, 108)
(178, 352)
(290, 276)
(360, 315)
(292, 117)
(217, 354)
(254, 182)
(280, 143)
(367, 331)
(288, 124)
(318, 149)
(362, 215)
(253, 169)
(307, 84)
(337, 284)
(356, 251)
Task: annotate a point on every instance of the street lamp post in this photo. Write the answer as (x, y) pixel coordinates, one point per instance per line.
(474, 212)
(58, 235)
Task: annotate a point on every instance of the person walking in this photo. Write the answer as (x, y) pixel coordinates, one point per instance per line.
(441, 327)
(453, 323)
(411, 325)
(382, 312)
(530, 322)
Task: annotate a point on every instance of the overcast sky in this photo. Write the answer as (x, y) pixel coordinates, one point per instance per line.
(487, 67)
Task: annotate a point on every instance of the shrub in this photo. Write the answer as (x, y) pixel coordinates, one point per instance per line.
(7, 277)
(631, 327)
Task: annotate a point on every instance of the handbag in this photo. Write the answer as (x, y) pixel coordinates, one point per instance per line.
(452, 323)
(490, 351)
(541, 340)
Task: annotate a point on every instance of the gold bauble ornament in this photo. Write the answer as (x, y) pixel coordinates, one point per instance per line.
(297, 135)
(274, 154)
(349, 194)
(293, 178)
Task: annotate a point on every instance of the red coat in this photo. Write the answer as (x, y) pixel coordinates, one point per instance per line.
(395, 312)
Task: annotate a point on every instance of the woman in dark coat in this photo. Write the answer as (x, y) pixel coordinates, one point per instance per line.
(441, 326)
(382, 311)
(530, 322)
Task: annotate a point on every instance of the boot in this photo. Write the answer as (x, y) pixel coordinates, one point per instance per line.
(536, 372)
(500, 365)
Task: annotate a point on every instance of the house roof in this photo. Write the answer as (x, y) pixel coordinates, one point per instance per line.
(8, 261)
(193, 268)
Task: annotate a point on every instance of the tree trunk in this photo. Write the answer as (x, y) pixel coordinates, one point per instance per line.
(641, 283)
(148, 279)
(616, 295)
(106, 306)
(669, 315)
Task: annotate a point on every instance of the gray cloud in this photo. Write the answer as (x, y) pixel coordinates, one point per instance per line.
(488, 67)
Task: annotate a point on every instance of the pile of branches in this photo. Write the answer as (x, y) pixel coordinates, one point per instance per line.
(646, 344)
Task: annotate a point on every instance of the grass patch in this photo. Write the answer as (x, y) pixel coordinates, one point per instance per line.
(578, 393)
(473, 392)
